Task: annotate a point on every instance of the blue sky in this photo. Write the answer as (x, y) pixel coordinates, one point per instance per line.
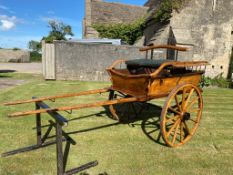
(25, 20)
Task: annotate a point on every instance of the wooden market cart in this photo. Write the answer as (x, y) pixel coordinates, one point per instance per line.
(140, 81)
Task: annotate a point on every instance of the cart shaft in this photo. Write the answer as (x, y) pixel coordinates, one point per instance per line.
(58, 96)
(81, 106)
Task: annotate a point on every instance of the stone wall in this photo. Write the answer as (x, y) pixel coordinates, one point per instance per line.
(100, 12)
(79, 61)
(152, 4)
(206, 27)
(18, 56)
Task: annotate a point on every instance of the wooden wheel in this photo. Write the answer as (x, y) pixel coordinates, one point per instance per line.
(181, 114)
(124, 111)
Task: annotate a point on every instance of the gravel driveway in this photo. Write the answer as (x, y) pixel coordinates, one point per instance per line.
(35, 68)
(5, 82)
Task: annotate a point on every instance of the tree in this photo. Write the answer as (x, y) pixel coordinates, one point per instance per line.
(59, 31)
(35, 46)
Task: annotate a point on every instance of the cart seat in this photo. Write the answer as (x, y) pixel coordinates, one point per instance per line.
(141, 66)
(146, 63)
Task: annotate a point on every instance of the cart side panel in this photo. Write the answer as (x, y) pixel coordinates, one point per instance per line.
(134, 86)
(165, 85)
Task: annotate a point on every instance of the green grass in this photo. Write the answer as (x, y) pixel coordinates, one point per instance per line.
(121, 149)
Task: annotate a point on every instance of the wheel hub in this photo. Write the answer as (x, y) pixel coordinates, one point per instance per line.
(186, 116)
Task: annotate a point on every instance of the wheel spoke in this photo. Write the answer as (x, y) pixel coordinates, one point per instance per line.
(177, 103)
(175, 134)
(194, 110)
(192, 102)
(172, 118)
(172, 128)
(118, 111)
(173, 110)
(181, 131)
(187, 100)
(186, 127)
(183, 97)
(193, 120)
(152, 131)
(113, 111)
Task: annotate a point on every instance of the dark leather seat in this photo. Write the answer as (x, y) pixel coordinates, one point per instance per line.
(145, 63)
(143, 66)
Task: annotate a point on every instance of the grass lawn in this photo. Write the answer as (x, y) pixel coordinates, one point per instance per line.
(121, 149)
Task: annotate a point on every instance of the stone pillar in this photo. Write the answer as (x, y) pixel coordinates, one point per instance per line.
(88, 12)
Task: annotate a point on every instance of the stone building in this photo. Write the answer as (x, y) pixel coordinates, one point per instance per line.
(100, 12)
(205, 26)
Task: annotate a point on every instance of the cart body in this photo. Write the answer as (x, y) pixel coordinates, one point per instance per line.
(146, 83)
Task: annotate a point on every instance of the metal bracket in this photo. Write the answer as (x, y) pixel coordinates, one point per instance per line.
(52, 100)
(69, 112)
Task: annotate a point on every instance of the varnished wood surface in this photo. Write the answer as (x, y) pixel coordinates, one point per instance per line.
(178, 64)
(134, 86)
(163, 47)
(176, 129)
(58, 96)
(81, 106)
(166, 85)
(153, 84)
(175, 64)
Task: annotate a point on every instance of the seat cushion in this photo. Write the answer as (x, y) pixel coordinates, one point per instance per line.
(145, 63)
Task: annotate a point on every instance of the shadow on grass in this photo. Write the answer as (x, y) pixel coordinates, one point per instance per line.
(150, 123)
(3, 73)
(7, 71)
(144, 115)
(85, 173)
(148, 119)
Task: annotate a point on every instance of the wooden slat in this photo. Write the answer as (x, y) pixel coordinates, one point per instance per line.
(58, 96)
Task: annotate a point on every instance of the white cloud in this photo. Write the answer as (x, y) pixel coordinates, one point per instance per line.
(7, 22)
(6, 25)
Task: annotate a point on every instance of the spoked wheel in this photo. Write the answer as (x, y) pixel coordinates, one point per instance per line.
(124, 111)
(181, 114)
